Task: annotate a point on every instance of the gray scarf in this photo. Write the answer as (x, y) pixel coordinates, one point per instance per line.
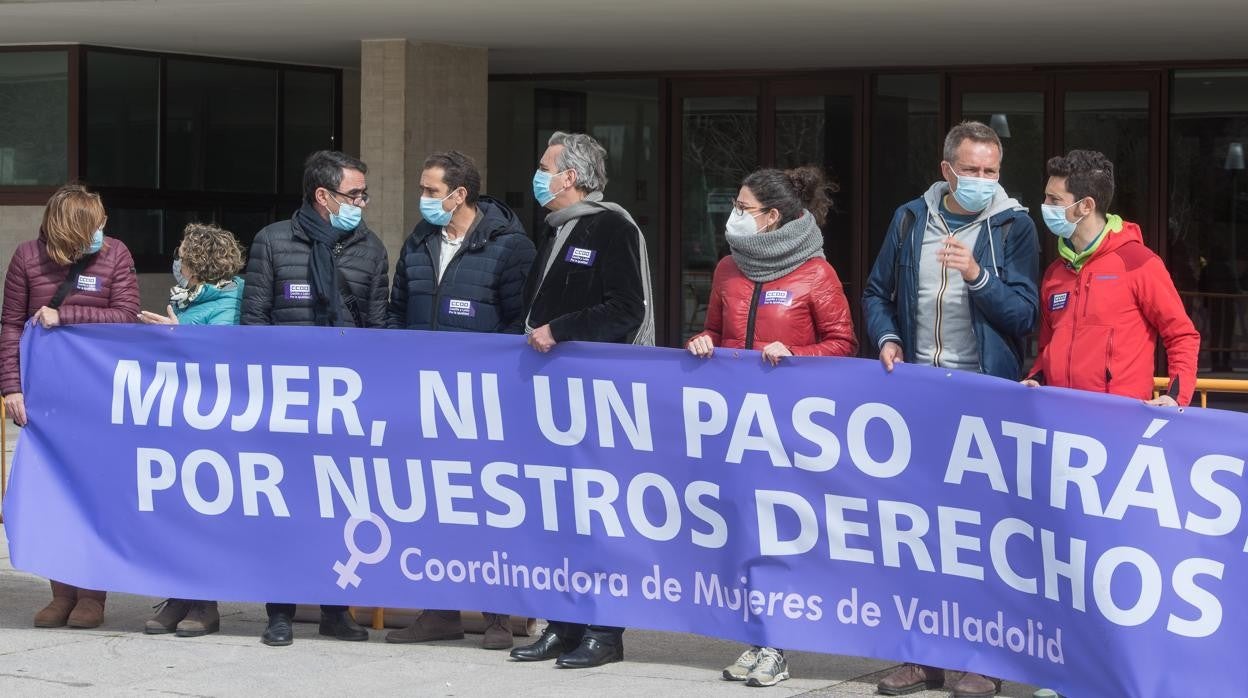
(768, 256)
(564, 220)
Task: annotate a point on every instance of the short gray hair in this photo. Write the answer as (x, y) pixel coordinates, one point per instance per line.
(584, 155)
(975, 131)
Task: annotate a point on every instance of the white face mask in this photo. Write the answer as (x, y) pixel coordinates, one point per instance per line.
(742, 223)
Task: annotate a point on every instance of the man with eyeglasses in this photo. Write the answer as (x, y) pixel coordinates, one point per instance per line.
(954, 286)
(323, 267)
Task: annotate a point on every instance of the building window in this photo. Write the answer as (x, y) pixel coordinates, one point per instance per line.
(905, 146)
(1116, 123)
(121, 118)
(220, 127)
(34, 118)
(1208, 209)
(171, 140)
(310, 119)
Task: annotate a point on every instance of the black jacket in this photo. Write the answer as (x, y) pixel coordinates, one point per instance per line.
(277, 290)
(482, 289)
(593, 292)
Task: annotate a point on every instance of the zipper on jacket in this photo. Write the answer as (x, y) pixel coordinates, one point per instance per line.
(938, 326)
(1109, 361)
(437, 287)
(1087, 293)
(749, 323)
(1080, 310)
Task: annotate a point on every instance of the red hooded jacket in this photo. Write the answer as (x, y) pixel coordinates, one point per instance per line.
(1099, 325)
(107, 291)
(805, 309)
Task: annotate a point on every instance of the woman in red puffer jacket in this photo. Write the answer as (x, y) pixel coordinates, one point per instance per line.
(776, 293)
(70, 274)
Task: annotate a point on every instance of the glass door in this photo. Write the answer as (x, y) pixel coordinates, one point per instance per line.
(1041, 116)
(816, 122)
(1017, 108)
(716, 137)
(723, 131)
(1116, 114)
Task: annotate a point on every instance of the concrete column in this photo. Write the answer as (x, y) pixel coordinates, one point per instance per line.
(17, 225)
(416, 98)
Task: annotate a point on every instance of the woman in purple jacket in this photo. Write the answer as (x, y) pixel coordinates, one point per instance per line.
(70, 274)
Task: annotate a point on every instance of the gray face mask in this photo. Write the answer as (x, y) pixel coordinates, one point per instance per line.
(177, 273)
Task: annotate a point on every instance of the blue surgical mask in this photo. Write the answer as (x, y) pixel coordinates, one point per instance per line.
(541, 187)
(975, 193)
(177, 274)
(97, 242)
(432, 211)
(1055, 218)
(348, 217)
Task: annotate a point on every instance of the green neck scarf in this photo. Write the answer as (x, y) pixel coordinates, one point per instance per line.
(1113, 224)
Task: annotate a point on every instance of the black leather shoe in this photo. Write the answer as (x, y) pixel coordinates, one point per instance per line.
(591, 653)
(343, 627)
(548, 646)
(278, 633)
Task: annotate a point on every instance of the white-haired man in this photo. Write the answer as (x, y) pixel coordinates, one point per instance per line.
(589, 282)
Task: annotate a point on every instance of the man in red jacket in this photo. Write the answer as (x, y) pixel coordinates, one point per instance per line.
(1107, 298)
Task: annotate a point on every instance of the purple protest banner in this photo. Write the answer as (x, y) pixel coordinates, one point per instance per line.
(1085, 542)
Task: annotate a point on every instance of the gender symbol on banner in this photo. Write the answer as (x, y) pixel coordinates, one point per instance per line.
(346, 571)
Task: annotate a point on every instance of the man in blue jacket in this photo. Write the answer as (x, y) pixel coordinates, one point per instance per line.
(464, 266)
(462, 269)
(954, 286)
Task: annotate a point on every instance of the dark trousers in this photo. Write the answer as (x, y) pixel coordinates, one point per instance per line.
(288, 609)
(575, 632)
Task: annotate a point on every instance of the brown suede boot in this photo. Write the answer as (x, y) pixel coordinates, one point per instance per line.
(202, 619)
(911, 678)
(169, 613)
(430, 626)
(89, 611)
(973, 685)
(55, 614)
(497, 632)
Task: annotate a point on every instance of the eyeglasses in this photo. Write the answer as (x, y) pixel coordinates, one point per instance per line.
(745, 208)
(357, 197)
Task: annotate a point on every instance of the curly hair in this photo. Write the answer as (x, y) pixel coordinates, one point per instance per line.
(210, 253)
(1088, 173)
(792, 191)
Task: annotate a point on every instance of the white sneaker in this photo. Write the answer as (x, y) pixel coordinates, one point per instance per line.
(740, 670)
(771, 669)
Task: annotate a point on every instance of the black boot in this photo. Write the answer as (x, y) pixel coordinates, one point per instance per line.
(278, 633)
(550, 645)
(340, 625)
(593, 651)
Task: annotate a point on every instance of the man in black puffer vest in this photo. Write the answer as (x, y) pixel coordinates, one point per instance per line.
(463, 267)
(323, 267)
(591, 283)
